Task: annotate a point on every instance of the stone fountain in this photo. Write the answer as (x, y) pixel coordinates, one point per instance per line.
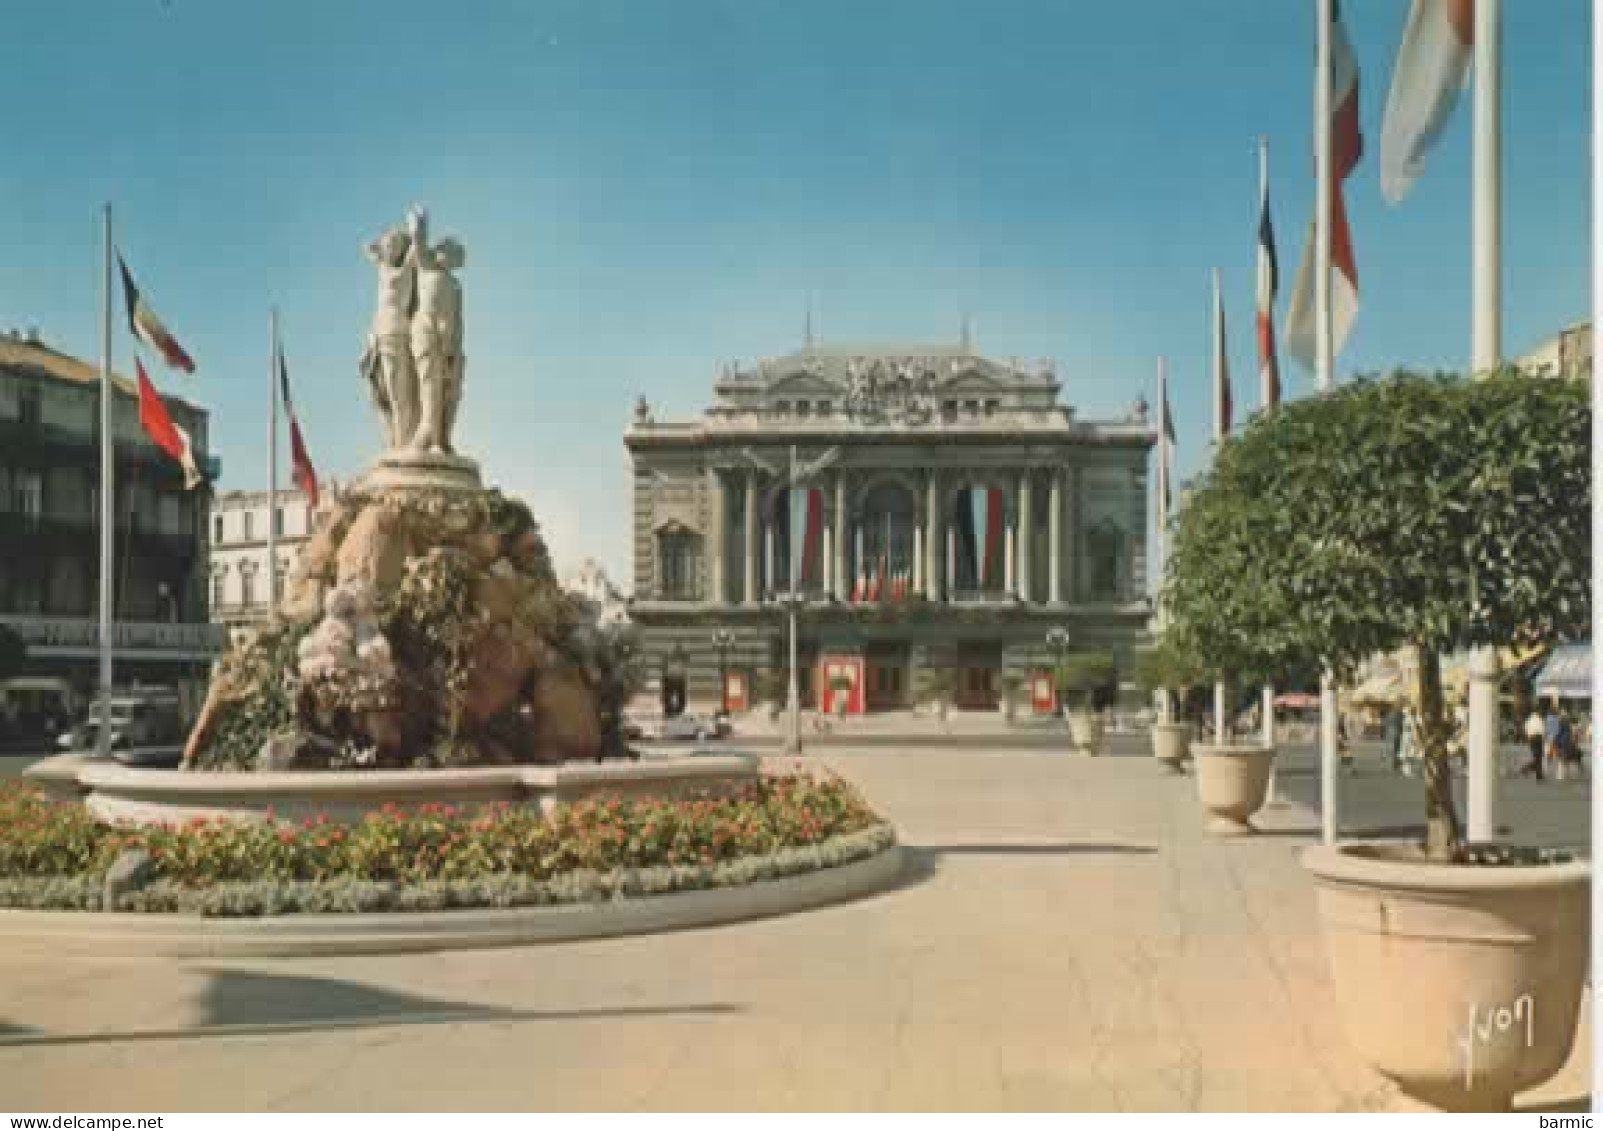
(423, 631)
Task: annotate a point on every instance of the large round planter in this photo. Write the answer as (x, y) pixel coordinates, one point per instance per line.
(1171, 744)
(1085, 731)
(1232, 782)
(1461, 983)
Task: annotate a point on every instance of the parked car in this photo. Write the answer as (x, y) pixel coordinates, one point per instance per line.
(136, 721)
(691, 727)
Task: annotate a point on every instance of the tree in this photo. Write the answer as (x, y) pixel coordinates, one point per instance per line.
(1419, 510)
(1087, 678)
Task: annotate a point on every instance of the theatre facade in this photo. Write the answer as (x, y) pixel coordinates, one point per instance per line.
(941, 513)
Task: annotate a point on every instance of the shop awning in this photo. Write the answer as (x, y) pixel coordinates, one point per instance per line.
(1567, 673)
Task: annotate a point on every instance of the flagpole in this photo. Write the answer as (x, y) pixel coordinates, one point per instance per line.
(1266, 393)
(1329, 784)
(272, 463)
(793, 688)
(1165, 709)
(1487, 333)
(108, 511)
(1220, 726)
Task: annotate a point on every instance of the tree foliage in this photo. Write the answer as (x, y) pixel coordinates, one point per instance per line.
(1417, 510)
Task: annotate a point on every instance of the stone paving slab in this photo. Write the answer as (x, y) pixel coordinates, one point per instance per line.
(1068, 938)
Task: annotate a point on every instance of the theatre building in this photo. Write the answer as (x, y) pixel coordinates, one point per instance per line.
(946, 512)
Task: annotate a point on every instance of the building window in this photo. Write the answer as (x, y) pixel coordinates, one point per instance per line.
(991, 407)
(247, 588)
(782, 407)
(825, 408)
(250, 526)
(219, 589)
(30, 404)
(217, 530)
(803, 408)
(1105, 548)
(28, 493)
(278, 522)
(679, 555)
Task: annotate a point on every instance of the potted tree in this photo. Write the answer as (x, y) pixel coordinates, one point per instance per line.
(1082, 678)
(1443, 515)
(1012, 684)
(1161, 669)
(939, 685)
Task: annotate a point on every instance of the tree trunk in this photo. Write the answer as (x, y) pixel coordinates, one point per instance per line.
(1444, 838)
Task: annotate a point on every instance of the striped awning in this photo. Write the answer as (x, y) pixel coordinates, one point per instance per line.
(1567, 673)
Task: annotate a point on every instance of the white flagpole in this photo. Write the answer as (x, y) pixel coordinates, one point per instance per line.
(793, 744)
(272, 464)
(108, 511)
(1165, 708)
(1329, 783)
(1221, 729)
(1487, 286)
(1266, 706)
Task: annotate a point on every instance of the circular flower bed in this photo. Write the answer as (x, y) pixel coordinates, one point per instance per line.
(53, 855)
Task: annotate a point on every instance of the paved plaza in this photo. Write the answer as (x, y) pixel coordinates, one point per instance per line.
(1066, 937)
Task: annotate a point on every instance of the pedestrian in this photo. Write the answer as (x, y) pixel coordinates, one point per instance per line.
(1570, 752)
(1343, 747)
(1408, 748)
(1393, 731)
(1535, 742)
(1553, 734)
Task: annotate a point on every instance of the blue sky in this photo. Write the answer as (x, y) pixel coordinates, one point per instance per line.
(647, 188)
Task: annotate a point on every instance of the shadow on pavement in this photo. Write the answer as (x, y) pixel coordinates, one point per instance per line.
(1066, 849)
(244, 1003)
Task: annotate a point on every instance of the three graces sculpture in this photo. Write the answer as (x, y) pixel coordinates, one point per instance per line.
(413, 361)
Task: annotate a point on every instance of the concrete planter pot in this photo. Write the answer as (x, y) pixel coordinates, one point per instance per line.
(1461, 983)
(1232, 783)
(1171, 744)
(1086, 732)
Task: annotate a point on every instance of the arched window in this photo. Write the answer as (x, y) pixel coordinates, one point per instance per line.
(976, 546)
(247, 587)
(679, 564)
(1105, 548)
(885, 526)
(219, 586)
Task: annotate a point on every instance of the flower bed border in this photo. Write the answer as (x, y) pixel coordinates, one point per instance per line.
(251, 920)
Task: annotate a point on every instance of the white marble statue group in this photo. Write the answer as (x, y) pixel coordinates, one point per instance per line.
(413, 362)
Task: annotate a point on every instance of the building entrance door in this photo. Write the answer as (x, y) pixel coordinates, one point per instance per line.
(887, 679)
(979, 679)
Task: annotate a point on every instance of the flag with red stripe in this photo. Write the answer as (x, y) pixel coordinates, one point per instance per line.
(1433, 65)
(1346, 148)
(163, 432)
(148, 328)
(806, 534)
(1268, 285)
(304, 473)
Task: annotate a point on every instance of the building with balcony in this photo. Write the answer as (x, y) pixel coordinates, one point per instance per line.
(951, 512)
(50, 526)
(239, 527)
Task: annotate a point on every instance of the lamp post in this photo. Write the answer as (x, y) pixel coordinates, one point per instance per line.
(722, 638)
(1057, 638)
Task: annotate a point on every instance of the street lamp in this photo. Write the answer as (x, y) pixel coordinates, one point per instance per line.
(1057, 638)
(722, 638)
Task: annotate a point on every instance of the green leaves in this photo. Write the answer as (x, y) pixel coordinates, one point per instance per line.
(1413, 510)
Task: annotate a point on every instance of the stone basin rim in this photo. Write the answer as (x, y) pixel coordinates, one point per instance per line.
(254, 783)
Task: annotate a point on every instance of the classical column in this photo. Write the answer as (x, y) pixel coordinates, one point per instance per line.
(1026, 537)
(715, 540)
(1054, 537)
(751, 594)
(844, 578)
(918, 558)
(1009, 576)
(932, 537)
(828, 562)
(951, 560)
(1071, 535)
(768, 556)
